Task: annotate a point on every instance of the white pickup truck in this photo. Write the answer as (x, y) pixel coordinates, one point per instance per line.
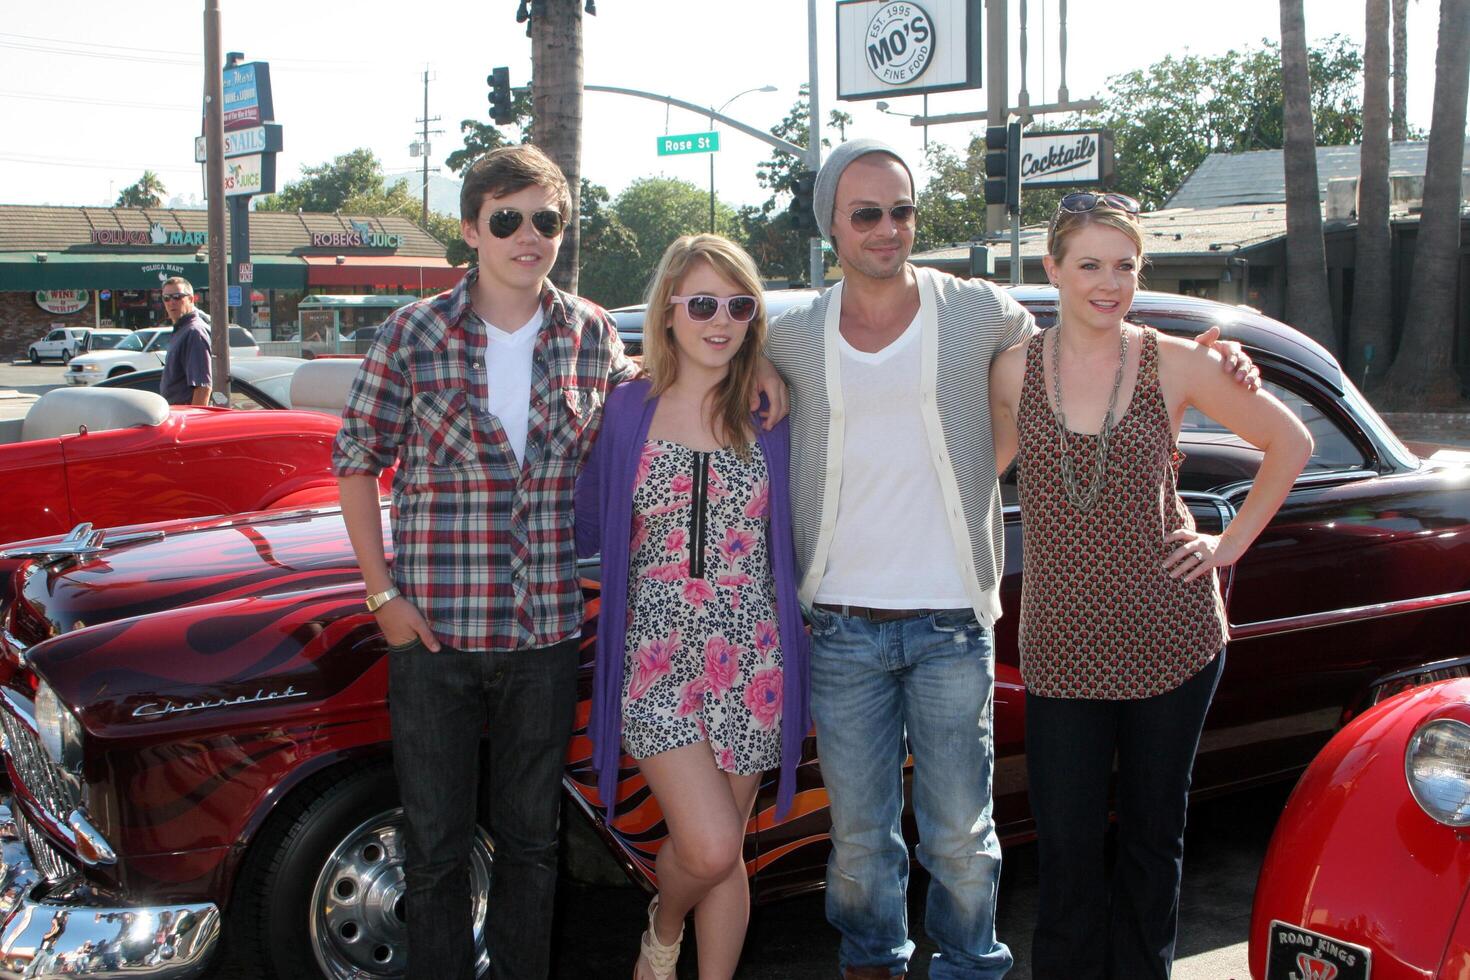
(144, 349)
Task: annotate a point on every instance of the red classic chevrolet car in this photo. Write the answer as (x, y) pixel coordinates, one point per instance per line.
(196, 735)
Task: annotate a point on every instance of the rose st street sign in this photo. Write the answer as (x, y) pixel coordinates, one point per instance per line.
(688, 143)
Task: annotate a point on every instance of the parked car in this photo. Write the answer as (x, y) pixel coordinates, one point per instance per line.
(113, 457)
(630, 318)
(64, 343)
(196, 729)
(1369, 868)
(142, 350)
(255, 382)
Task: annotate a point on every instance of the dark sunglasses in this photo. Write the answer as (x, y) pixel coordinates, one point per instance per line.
(704, 307)
(503, 223)
(170, 297)
(1083, 201)
(866, 219)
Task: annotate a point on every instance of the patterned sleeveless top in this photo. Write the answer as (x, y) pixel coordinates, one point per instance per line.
(1100, 616)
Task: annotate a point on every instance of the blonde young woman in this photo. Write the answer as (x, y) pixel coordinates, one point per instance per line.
(701, 654)
(1122, 624)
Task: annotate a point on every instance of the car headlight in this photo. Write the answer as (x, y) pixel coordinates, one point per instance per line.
(89, 367)
(59, 730)
(1437, 764)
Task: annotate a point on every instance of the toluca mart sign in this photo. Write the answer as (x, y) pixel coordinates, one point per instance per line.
(1070, 158)
(156, 235)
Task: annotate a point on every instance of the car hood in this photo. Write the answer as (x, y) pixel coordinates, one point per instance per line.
(178, 617)
(109, 356)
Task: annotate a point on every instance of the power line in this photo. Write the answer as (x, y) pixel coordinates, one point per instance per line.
(88, 100)
(38, 161)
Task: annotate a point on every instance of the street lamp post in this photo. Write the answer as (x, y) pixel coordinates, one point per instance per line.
(713, 113)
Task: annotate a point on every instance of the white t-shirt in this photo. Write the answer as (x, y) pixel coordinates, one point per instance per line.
(508, 380)
(891, 546)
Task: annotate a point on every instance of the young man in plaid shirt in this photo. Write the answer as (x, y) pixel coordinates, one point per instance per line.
(486, 397)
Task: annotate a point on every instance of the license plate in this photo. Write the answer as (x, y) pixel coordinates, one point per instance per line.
(1301, 954)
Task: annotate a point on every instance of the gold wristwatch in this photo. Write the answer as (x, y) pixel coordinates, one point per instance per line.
(377, 600)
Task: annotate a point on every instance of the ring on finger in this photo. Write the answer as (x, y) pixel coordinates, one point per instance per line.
(1199, 555)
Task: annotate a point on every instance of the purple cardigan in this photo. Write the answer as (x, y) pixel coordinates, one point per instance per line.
(604, 510)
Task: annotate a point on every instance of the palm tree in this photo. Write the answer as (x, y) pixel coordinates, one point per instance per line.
(146, 193)
(1372, 325)
(1423, 373)
(1400, 70)
(1307, 305)
(556, 64)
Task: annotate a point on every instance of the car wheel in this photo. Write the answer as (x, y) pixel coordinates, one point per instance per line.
(65, 354)
(322, 891)
(119, 372)
(35, 356)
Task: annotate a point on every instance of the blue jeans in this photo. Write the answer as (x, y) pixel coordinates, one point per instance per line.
(440, 705)
(880, 692)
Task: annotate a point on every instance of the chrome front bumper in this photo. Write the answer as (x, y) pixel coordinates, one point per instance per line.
(70, 929)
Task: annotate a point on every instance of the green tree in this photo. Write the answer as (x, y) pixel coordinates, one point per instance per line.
(146, 193)
(328, 186)
(653, 211)
(1169, 116)
(952, 203)
(609, 250)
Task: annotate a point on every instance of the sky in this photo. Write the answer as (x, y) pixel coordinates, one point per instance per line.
(92, 92)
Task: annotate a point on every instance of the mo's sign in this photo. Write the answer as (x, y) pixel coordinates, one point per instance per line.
(1066, 159)
(899, 47)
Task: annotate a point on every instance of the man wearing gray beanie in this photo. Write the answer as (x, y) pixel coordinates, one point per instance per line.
(898, 540)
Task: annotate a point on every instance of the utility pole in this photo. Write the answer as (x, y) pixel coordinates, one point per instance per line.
(423, 145)
(214, 142)
(814, 136)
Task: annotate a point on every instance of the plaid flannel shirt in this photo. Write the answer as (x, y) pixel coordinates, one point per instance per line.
(482, 546)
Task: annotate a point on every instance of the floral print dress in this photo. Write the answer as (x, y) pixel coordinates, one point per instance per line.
(703, 649)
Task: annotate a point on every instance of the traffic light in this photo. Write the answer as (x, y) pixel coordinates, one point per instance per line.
(1003, 166)
(500, 110)
(803, 217)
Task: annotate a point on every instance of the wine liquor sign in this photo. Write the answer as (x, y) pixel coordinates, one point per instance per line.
(1073, 158)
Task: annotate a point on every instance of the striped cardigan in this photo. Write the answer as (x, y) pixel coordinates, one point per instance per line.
(965, 323)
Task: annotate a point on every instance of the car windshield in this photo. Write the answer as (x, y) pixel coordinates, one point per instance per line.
(132, 341)
(107, 341)
(157, 340)
(278, 388)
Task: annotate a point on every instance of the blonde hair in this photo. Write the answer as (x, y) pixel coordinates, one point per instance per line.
(731, 397)
(1065, 224)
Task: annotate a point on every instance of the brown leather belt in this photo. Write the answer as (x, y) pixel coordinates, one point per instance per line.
(873, 615)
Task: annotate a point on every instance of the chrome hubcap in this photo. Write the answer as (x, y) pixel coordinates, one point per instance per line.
(358, 908)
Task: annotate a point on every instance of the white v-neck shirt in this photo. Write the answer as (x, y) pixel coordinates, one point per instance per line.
(891, 543)
(508, 358)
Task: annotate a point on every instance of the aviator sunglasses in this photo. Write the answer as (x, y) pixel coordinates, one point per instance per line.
(703, 307)
(1084, 201)
(866, 219)
(503, 223)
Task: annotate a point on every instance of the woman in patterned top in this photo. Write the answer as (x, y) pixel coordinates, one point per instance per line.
(1122, 623)
(701, 656)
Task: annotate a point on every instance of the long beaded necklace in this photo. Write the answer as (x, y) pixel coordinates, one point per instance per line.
(1084, 498)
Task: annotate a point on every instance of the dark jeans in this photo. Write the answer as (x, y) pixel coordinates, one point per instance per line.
(439, 704)
(1084, 931)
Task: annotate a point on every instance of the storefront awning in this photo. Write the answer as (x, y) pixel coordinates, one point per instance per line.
(385, 273)
(23, 272)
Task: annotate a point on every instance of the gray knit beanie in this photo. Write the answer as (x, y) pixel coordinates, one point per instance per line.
(824, 196)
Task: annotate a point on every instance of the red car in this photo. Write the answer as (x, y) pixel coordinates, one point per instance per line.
(1369, 868)
(111, 457)
(196, 733)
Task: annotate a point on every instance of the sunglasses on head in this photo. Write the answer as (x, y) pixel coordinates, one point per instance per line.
(503, 223)
(1083, 201)
(866, 219)
(703, 307)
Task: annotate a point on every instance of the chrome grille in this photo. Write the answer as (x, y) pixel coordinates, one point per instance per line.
(33, 766)
(47, 859)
